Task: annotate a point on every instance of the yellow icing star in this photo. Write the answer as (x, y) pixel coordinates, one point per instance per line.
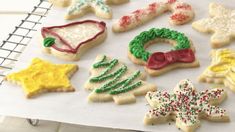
(220, 70)
(43, 76)
(221, 22)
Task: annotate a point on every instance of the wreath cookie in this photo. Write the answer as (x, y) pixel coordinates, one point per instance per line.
(43, 76)
(182, 56)
(112, 80)
(181, 13)
(186, 106)
(70, 41)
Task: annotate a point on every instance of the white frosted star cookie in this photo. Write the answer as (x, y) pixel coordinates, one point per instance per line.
(72, 40)
(113, 80)
(181, 13)
(221, 23)
(186, 106)
(101, 8)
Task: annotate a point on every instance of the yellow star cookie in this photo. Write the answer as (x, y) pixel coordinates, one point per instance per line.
(43, 76)
(220, 71)
(221, 22)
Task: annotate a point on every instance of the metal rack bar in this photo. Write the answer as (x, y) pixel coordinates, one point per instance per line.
(44, 7)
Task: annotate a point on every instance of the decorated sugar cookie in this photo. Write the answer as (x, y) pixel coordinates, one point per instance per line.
(186, 106)
(182, 55)
(221, 70)
(61, 3)
(43, 76)
(181, 14)
(113, 80)
(221, 23)
(100, 7)
(70, 41)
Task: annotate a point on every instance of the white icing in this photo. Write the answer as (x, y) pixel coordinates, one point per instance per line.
(76, 34)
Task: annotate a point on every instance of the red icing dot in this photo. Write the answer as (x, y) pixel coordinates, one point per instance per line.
(125, 20)
(152, 7)
(179, 17)
(171, 1)
(138, 13)
(184, 6)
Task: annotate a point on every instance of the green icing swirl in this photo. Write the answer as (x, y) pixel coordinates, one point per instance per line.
(48, 41)
(136, 46)
(114, 84)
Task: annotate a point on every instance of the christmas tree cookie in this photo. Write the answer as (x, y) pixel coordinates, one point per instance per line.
(221, 70)
(43, 76)
(221, 23)
(100, 7)
(181, 56)
(186, 106)
(113, 80)
(72, 40)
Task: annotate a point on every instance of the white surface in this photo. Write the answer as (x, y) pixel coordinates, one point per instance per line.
(74, 108)
(11, 13)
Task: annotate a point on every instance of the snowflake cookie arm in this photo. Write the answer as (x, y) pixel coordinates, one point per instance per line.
(216, 9)
(161, 110)
(76, 9)
(210, 98)
(187, 121)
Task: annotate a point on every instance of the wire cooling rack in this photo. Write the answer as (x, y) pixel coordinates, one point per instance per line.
(12, 47)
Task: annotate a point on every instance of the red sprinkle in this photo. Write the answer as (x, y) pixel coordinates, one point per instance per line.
(171, 1)
(125, 20)
(183, 6)
(179, 17)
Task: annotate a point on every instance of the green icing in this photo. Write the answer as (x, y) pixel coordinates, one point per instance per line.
(136, 46)
(48, 41)
(114, 84)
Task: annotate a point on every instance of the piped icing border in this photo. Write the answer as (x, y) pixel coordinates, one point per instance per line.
(45, 30)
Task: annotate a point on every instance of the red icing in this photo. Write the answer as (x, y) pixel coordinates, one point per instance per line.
(152, 7)
(179, 17)
(159, 60)
(184, 6)
(47, 30)
(125, 20)
(171, 1)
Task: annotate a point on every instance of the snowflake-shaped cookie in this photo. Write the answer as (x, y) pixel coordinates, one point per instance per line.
(221, 22)
(100, 7)
(186, 106)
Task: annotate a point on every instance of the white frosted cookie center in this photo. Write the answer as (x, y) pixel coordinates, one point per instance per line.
(76, 34)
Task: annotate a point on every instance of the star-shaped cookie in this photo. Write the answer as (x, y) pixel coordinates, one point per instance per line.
(221, 23)
(221, 69)
(79, 8)
(186, 106)
(43, 76)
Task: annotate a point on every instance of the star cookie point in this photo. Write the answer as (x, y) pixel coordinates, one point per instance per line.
(43, 76)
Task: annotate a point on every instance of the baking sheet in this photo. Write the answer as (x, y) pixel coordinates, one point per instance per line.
(74, 107)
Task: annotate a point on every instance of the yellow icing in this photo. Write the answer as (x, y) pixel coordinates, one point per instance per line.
(43, 75)
(222, 61)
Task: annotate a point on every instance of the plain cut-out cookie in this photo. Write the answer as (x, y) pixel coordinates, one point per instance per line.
(72, 40)
(221, 23)
(222, 69)
(181, 14)
(186, 106)
(101, 8)
(112, 80)
(61, 3)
